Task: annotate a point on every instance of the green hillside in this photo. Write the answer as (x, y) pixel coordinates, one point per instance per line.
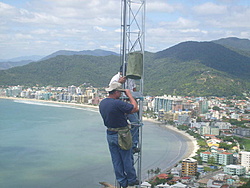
(189, 68)
(63, 71)
(192, 79)
(241, 46)
(211, 55)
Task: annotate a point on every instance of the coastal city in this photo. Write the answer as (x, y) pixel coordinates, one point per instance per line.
(219, 126)
(125, 94)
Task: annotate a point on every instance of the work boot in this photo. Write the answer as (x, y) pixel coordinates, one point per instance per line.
(134, 183)
(136, 150)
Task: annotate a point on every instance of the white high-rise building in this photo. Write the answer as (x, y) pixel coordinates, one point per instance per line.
(245, 159)
(234, 169)
(78, 90)
(72, 90)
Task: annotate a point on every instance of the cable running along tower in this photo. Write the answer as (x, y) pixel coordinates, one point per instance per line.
(133, 42)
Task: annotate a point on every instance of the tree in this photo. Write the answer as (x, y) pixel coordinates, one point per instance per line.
(148, 173)
(198, 119)
(157, 170)
(151, 171)
(226, 146)
(245, 185)
(211, 160)
(216, 108)
(199, 159)
(197, 174)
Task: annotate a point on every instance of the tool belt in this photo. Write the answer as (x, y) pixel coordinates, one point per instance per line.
(124, 137)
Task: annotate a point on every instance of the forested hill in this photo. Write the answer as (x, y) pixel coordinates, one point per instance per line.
(188, 68)
(240, 45)
(84, 52)
(198, 69)
(64, 71)
(211, 55)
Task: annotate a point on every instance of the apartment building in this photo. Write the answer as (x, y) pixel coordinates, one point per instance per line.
(162, 103)
(214, 130)
(223, 158)
(203, 106)
(244, 159)
(242, 131)
(234, 170)
(189, 167)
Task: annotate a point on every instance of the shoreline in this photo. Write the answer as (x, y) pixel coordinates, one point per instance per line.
(192, 145)
(53, 102)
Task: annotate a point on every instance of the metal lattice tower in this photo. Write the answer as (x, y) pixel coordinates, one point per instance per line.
(133, 40)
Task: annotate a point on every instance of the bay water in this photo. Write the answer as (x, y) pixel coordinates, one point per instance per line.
(47, 145)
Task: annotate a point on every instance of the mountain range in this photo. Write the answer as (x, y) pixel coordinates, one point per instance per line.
(97, 52)
(219, 68)
(19, 61)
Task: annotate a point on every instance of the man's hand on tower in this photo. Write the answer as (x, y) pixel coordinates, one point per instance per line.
(122, 79)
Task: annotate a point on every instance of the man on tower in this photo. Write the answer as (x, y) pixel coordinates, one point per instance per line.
(132, 117)
(113, 111)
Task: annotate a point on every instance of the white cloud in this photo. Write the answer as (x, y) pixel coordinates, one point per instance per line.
(40, 42)
(118, 30)
(20, 36)
(233, 17)
(81, 8)
(74, 31)
(161, 6)
(6, 10)
(37, 18)
(185, 23)
(104, 47)
(210, 9)
(180, 23)
(45, 26)
(193, 31)
(40, 31)
(99, 28)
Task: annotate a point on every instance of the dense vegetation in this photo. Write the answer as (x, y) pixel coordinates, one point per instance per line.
(189, 68)
(63, 71)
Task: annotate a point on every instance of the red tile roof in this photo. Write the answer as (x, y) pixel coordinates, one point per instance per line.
(162, 176)
(206, 152)
(185, 178)
(226, 153)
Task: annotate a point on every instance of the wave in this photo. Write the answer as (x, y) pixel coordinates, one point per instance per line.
(57, 105)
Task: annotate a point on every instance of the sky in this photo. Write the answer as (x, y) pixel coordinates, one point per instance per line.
(42, 27)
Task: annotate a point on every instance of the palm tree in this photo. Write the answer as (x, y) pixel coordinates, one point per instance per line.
(152, 171)
(148, 173)
(157, 171)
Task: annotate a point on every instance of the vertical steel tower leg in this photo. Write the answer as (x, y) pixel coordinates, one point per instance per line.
(133, 40)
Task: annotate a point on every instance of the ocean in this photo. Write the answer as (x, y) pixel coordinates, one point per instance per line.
(47, 145)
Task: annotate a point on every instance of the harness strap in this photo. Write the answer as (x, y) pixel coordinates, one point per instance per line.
(119, 128)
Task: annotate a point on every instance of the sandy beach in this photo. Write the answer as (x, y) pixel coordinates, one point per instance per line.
(55, 102)
(192, 145)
